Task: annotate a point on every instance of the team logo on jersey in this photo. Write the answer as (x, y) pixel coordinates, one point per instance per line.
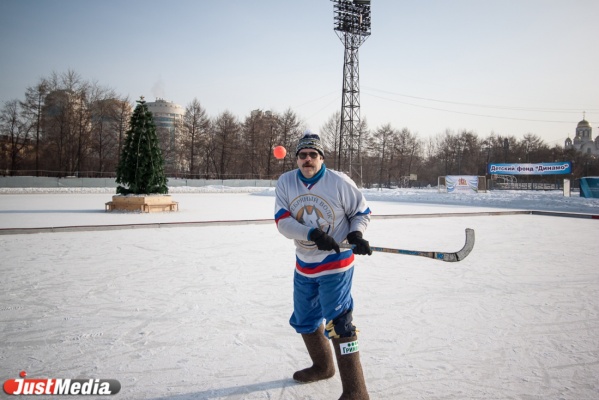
(313, 211)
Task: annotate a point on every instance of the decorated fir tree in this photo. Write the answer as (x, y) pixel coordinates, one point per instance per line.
(141, 167)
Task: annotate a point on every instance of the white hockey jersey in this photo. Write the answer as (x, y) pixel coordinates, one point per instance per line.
(333, 203)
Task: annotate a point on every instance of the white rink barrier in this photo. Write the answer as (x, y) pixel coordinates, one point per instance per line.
(74, 182)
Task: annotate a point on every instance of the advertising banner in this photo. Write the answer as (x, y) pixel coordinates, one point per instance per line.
(553, 168)
(461, 184)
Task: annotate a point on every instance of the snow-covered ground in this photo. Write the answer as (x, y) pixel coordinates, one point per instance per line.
(200, 311)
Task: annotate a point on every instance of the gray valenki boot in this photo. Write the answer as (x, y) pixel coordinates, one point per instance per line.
(319, 349)
(350, 369)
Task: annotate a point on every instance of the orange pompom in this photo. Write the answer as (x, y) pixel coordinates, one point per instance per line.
(279, 152)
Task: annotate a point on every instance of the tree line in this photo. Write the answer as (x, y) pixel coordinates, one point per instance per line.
(68, 126)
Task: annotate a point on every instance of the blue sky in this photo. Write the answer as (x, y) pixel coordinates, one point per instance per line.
(506, 66)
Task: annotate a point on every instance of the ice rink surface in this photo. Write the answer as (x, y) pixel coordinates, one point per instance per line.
(201, 312)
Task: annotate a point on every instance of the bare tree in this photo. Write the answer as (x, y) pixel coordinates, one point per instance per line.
(407, 147)
(273, 136)
(532, 149)
(381, 145)
(121, 121)
(66, 121)
(260, 136)
(468, 152)
(224, 143)
(32, 107)
(256, 134)
(105, 133)
(15, 131)
(193, 135)
(329, 133)
(357, 165)
(447, 151)
(289, 131)
(57, 128)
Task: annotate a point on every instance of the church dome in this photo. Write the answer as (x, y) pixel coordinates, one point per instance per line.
(584, 124)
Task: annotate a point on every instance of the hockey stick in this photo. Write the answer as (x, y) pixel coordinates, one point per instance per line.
(437, 255)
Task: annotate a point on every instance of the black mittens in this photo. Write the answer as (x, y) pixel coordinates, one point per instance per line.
(324, 241)
(361, 246)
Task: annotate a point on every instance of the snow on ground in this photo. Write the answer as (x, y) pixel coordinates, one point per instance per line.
(202, 312)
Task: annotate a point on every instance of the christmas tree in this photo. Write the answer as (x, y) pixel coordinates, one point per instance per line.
(141, 167)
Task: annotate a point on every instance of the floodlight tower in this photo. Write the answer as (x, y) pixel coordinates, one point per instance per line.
(352, 25)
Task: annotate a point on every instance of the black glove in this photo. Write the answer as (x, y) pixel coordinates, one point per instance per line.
(361, 246)
(323, 241)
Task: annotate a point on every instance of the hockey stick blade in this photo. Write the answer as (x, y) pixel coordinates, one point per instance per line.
(436, 255)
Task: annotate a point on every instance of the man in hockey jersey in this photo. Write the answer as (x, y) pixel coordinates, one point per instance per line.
(319, 208)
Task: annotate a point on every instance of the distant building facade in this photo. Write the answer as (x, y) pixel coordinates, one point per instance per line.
(168, 117)
(166, 113)
(583, 141)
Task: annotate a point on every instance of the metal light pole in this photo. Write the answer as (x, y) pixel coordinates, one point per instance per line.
(352, 25)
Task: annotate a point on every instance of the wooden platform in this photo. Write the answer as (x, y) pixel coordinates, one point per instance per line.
(147, 204)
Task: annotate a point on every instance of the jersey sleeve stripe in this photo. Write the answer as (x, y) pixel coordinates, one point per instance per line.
(282, 214)
(365, 212)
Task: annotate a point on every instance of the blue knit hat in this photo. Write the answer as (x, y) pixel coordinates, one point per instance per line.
(310, 141)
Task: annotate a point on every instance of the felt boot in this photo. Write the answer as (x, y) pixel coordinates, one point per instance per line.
(350, 369)
(319, 349)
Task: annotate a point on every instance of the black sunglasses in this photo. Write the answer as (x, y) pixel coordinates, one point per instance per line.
(313, 155)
